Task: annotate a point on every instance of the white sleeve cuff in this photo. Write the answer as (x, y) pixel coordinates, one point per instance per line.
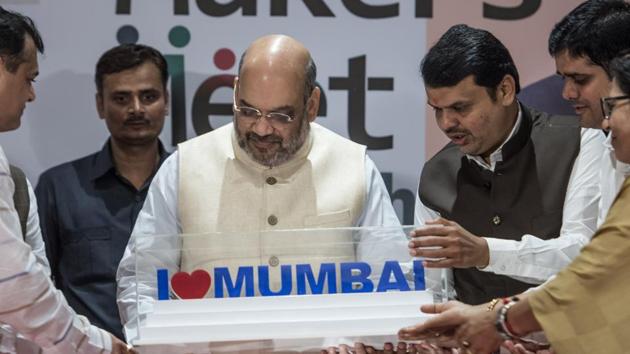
(500, 254)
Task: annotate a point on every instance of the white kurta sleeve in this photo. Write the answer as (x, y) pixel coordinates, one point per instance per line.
(534, 260)
(30, 303)
(157, 227)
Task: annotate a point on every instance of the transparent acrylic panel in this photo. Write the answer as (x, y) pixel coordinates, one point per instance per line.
(273, 291)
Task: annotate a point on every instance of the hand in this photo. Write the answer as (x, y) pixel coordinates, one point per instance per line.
(471, 326)
(120, 347)
(388, 348)
(458, 247)
(525, 348)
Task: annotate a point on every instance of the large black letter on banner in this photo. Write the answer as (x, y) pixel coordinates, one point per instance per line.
(364, 10)
(318, 8)
(123, 7)
(354, 83)
(424, 8)
(525, 9)
(180, 7)
(212, 8)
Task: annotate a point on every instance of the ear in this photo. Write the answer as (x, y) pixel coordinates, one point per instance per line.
(506, 91)
(3, 68)
(99, 105)
(312, 105)
(167, 102)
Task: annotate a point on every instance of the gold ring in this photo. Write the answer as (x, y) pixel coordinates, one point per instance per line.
(465, 344)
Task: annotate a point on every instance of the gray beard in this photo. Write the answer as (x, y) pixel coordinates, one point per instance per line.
(287, 150)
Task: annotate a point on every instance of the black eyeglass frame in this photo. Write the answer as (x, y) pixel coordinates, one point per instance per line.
(608, 104)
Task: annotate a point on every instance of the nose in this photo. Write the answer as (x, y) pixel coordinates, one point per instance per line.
(262, 127)
(606, 124)
(446, 120)
(136, 105)
(569, 91)
(31, 94)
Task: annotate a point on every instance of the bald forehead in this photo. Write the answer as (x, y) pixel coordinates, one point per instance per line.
(277, 55)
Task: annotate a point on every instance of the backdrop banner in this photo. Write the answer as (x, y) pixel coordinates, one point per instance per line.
(367, 54)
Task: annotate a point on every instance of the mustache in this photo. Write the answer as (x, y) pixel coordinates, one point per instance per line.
(263, 139)
(136, 119)
(456, 131)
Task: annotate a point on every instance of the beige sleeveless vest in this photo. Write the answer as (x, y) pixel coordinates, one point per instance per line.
(230, 201)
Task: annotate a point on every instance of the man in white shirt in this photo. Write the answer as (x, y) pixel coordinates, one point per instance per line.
(272, 169)
(30, 303)
(583, 43)
(517, 189)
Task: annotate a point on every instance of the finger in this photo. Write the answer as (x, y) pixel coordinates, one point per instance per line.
(359, 348)
(388, 348)
(432, 230)
(427, 329)
(440, 263)
(440, 307)
(440, 221)
(434, 254)
(401, 348)
(344, 349)
(332, 350)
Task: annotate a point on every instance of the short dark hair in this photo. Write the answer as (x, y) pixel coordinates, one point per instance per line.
(597, 30)
(13, 30)
(310, 75)
(129, 56)
(463, 51)
(620, 71)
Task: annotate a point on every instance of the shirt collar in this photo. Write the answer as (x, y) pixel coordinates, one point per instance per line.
(104, 162)
(497, 155)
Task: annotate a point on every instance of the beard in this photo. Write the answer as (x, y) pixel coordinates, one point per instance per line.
(280, 151)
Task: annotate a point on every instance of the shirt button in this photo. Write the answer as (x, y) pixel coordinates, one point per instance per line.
(271, 181)
(274, 261)
(496, 220)
(272, 220)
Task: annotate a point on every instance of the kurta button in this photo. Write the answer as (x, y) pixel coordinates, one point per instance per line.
(271, 181)
(274, 261)
(496, 220)
(272, 220)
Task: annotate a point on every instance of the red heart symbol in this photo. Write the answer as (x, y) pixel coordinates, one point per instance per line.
(191, 286)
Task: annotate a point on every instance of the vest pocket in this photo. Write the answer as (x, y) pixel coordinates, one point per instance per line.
(334, 219)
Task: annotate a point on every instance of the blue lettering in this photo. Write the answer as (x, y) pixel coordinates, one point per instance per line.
(263, 281)
(418, 277)
(304, 272)
(361, 277)
(222, 277)
(162, 284)
(400, 283)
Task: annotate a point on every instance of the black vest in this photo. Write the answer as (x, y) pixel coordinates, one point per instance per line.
(524, 195)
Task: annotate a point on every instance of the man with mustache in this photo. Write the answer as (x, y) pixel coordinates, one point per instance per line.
(273, 168)
(88, 206)
(513, 197)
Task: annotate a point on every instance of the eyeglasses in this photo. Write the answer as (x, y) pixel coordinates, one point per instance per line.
(609, 103)
(251, 114)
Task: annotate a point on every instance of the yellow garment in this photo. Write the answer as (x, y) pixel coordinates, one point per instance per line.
(585, 309)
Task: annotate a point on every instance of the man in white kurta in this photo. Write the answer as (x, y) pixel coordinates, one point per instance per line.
(272, 169)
